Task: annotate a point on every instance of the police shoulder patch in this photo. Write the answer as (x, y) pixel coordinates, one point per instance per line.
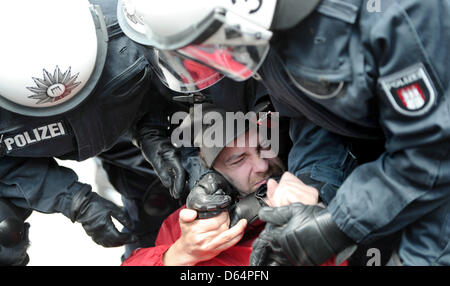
(410, 91)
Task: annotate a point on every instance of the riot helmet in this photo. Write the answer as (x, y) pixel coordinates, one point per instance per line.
(52, 54)
(192, 45)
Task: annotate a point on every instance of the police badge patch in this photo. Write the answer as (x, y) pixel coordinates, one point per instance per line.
(53, 87)
(410, 91)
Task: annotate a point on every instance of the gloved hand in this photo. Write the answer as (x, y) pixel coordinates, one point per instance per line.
(248, 207)
(297, 234)
(95, 214)
(166, 162)
(210, 195)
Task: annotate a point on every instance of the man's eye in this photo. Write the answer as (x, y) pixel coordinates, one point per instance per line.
(237, 161)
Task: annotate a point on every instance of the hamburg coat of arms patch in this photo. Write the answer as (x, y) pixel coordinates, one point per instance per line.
(410, 91)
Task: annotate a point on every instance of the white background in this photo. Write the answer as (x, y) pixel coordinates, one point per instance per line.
(55, 240)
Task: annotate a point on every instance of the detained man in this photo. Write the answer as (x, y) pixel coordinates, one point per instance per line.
(224, 237)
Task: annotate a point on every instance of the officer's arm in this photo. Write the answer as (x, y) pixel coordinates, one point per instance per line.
(152, 135)
(411, 178)
(319, 158)
(38, 184)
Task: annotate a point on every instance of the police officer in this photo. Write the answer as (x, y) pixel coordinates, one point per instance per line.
(365, 71)
(71, 85)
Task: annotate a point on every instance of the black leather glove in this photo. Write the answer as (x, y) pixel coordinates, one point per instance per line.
(210, 195)
(248, 207)
(95, 214)
(298, 235)
(166, 161)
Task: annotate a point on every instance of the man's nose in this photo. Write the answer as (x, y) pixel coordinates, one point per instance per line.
(260, 165)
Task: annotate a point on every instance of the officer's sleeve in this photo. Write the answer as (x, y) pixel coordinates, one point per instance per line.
(318, 157)
(156, 120)
(39, 184)
(410, 44)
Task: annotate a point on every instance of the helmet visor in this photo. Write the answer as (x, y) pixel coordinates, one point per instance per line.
(229, 46)
(236, 62)
(181, 74)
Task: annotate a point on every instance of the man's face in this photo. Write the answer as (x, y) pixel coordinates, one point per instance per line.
(244, 168)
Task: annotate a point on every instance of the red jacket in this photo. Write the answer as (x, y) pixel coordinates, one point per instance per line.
(170, 231)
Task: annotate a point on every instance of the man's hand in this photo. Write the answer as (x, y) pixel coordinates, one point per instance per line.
(210, 195)
(290, 190)
(202, 239)
(95, 214)
(166, 162)
(297, 234)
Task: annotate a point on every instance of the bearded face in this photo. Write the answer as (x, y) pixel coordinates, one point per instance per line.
(244, 168)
